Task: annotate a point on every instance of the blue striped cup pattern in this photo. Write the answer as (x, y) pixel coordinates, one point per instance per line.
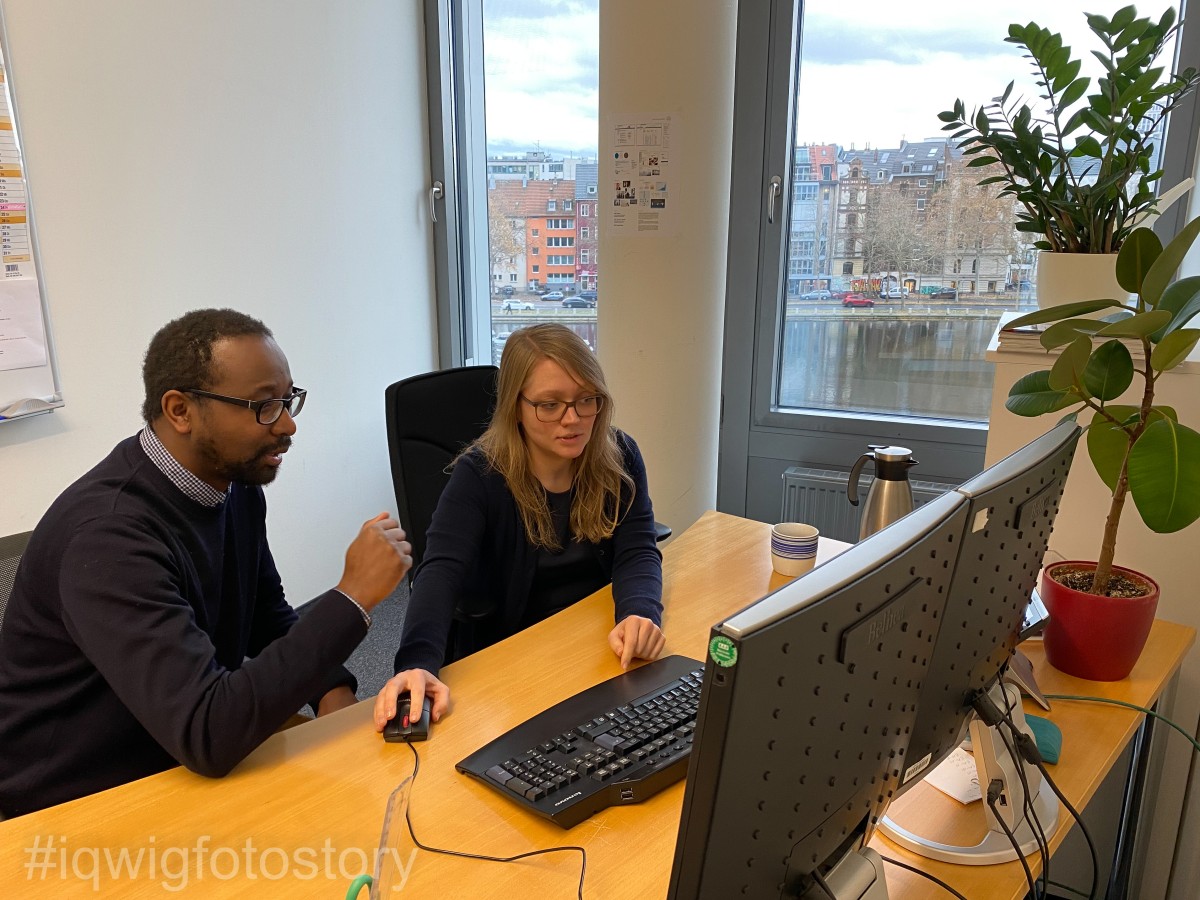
(794, 540)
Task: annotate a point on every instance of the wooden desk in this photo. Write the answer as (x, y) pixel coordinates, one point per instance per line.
(305, 809)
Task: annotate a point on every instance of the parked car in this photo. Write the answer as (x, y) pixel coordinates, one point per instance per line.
(817, 295)
(857, 300)
(589, 295)
(578, 303)
(507, 290)
(944, 294)
(893, 293)
(513, 305)
(552, 295)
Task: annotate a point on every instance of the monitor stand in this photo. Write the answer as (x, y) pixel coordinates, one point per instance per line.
(992, 761)
(857, 876)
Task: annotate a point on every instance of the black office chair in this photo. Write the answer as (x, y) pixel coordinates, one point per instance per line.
(11, 548)
(430, 418)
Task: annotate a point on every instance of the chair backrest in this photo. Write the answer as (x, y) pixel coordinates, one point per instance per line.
(430, 418)
(11, 548)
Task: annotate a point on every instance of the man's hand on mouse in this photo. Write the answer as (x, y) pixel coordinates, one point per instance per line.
(419, 684)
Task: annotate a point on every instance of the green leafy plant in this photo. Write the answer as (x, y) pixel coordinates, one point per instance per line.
(1080, 172)
(1141, 448)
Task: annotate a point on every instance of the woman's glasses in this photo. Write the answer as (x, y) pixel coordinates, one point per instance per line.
(554, 410)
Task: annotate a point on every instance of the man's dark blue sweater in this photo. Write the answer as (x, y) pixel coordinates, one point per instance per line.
(146, 630)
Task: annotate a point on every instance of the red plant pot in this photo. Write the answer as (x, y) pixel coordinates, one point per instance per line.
(1098, 638)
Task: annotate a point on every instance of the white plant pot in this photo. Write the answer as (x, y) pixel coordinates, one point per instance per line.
(1068, 277)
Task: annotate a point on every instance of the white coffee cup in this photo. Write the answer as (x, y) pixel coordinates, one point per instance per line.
(793, 548)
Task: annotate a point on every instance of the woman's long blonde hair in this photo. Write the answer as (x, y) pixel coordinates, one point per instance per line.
(599, 471)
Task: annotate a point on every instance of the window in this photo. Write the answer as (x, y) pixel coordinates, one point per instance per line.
(536, 250)
(584, 233)
(803, 382)
(583, 257)
(513, 129)
(806, 192)
(585, 208)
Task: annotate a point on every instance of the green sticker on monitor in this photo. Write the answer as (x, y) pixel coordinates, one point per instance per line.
(723, 651)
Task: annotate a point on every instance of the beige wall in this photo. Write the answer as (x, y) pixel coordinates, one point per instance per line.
(661, 316)
(1077, 534)
(269, 156)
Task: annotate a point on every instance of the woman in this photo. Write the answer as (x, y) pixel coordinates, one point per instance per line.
(548, 506)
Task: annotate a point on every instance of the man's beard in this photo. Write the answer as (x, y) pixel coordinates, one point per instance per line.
(254, 471)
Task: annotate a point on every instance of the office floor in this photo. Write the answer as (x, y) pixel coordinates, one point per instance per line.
(371, 662)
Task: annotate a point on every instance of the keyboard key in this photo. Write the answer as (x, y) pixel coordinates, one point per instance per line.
(498, 774)
(517, 786)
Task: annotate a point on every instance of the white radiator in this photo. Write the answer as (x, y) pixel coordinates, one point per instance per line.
(818, 497)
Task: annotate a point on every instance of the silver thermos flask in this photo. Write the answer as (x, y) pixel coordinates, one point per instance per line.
(890, 496)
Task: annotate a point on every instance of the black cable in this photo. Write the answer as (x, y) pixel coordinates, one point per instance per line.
(501, 859)
(933, 878)
(1029, 751)
(1035, 825)
(993, 792)
(1087, 835)
(1039, 836)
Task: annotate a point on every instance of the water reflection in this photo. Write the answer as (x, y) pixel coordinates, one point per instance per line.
(931, 366)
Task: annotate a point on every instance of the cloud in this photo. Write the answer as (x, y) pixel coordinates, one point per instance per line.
(497, 11)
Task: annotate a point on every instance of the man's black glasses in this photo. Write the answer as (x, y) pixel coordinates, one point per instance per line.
(266, 411)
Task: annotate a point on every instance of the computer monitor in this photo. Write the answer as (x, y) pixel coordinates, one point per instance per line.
(814, 697)
(1012, 507)
(809, 700)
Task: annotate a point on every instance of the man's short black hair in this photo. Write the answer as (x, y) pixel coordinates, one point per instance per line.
(180, 355)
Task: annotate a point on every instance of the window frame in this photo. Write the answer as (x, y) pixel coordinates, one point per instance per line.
(758, 437)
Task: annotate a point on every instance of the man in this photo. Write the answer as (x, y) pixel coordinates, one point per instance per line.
(147, 626)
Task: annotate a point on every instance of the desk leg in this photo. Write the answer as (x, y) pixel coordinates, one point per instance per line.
(1131, 808)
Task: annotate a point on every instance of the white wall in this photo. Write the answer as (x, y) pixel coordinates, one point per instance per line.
(661, 320)
(269, 156)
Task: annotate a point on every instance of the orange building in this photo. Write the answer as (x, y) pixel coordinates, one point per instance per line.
(543, 212)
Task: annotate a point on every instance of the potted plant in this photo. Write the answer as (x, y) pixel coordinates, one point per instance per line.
(1080, 172)
(1100, 623)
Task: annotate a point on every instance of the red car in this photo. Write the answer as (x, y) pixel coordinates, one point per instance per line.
(857, 300)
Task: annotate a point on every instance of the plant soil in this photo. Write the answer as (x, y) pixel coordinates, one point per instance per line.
(1118, 585)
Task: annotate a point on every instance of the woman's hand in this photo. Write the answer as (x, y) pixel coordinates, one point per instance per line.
(418, 683)
(636, 636)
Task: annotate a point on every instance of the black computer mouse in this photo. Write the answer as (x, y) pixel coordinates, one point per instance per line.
(405, 727)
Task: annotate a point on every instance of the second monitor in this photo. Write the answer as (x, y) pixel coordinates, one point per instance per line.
(825, 700)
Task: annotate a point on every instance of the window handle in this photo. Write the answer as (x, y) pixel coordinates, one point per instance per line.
(437, 192)
(773, 192)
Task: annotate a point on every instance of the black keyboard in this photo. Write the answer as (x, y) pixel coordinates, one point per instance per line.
(620, 742)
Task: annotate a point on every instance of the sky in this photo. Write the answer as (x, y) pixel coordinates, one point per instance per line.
(872, 72)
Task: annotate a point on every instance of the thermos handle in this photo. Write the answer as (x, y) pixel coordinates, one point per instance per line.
(852, 484)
